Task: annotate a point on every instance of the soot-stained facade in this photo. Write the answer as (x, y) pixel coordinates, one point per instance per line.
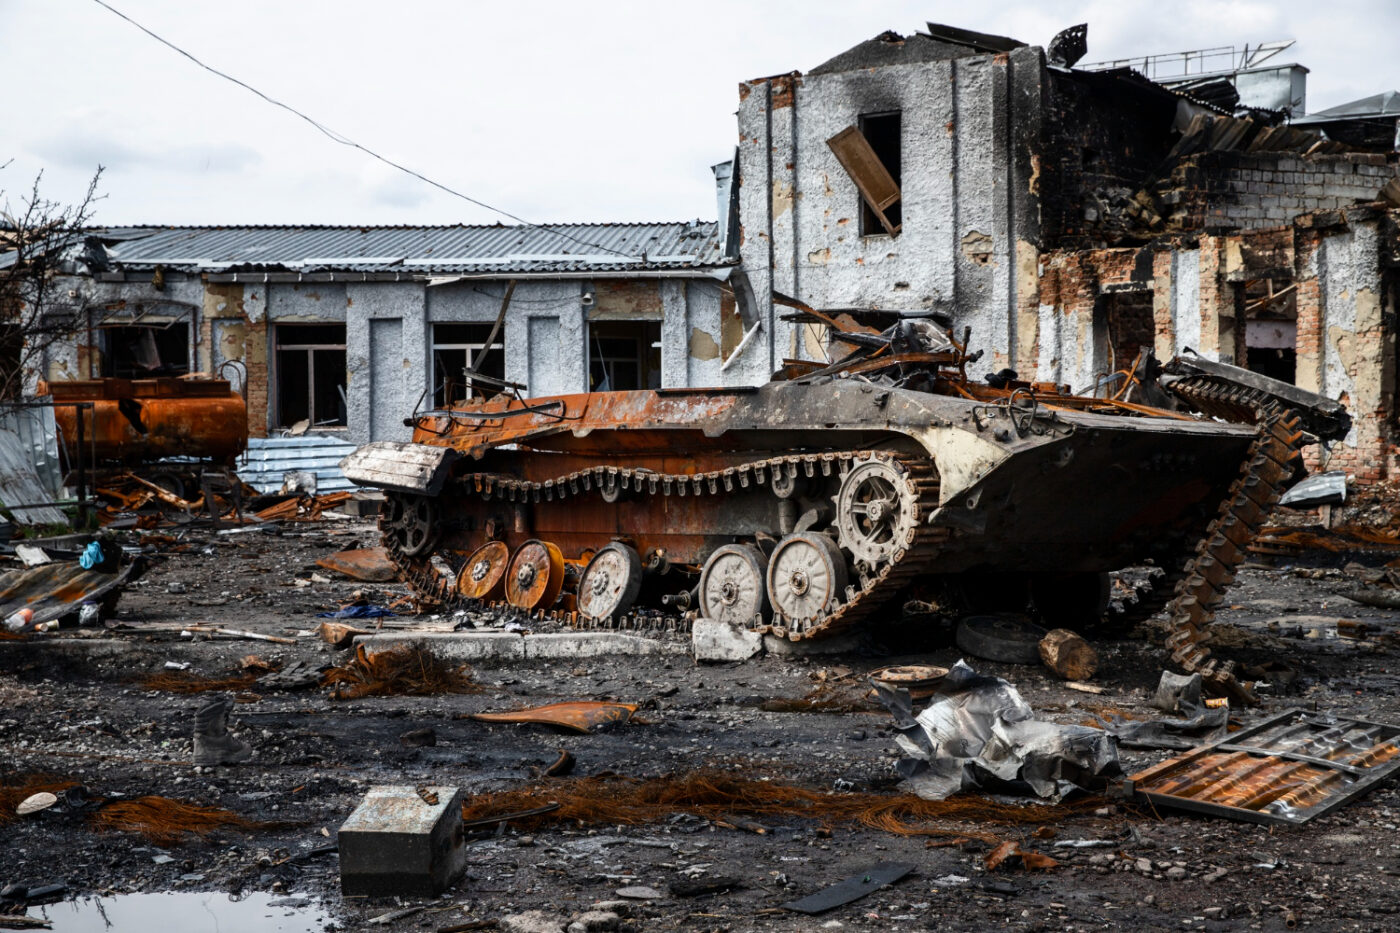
(1071, 218)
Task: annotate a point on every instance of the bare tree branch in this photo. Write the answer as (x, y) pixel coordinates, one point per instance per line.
(40, 240)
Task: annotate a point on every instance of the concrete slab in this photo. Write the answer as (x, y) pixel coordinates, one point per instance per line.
(455, 646)
(594, 645)
(500, 646)
(720, 641)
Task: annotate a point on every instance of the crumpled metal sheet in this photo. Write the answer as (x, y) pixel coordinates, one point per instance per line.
(580, 716)
(1176, 693)
(22, 490)
(977, 734)
(1319, 489)
(56, 590)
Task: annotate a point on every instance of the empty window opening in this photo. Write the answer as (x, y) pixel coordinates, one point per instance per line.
(143, 351)
(458, 348)
(624, 355)
(870, 154)
(311, 374)
(1130, 328)
(1271, 328)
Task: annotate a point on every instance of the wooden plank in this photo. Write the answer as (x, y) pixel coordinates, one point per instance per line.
(874, 182)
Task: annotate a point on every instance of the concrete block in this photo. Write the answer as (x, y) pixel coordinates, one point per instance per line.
(592, 645)
(453, 646)
(720, 641)
(397, 843)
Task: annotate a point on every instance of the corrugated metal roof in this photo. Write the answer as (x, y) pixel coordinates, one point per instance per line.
(1385, 104)
(457, 249)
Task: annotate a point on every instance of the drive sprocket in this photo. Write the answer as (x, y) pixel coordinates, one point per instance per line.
(877, 510)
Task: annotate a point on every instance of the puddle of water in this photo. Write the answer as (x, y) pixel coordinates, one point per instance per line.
(186, 912)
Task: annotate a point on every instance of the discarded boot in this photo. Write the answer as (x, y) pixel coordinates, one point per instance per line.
(212, 743)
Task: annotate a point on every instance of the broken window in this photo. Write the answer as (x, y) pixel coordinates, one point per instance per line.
(1270, 312)
(142, 351)
(458, 348)
(624, 355)
(311, 374)
(870, 154)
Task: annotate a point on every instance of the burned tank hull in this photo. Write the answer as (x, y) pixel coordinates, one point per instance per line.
(1071, 491)
(804, 506)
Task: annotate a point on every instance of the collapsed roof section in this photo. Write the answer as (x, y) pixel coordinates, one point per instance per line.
(1128, 156)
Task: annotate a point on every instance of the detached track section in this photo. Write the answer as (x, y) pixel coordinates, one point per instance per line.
(870, 591)
(1202, 580)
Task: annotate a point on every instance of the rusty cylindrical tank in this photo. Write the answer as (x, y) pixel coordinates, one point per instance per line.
(142, 420)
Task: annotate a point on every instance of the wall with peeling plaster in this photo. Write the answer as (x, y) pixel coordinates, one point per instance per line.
(388, 333)
(1346, 276)
(969, 199)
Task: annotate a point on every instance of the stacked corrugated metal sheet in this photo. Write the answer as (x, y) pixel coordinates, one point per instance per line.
(268, 459)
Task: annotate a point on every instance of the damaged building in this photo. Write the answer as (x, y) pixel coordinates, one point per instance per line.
(1073, 216)
(1069, 215)
(347, 330)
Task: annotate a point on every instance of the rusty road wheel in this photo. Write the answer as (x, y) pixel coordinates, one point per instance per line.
(483, 576)
(535, 576)
(610, 582)
(733, 587)
(806, 577)
(413, 520)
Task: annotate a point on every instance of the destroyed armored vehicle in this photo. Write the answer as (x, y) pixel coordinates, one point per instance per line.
(805, 506)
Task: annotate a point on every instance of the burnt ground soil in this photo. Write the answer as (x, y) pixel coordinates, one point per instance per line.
(70, 706)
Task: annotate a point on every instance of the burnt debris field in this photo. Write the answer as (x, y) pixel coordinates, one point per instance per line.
(671, 792)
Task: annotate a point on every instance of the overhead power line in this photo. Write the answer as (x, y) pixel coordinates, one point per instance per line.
(347, 141)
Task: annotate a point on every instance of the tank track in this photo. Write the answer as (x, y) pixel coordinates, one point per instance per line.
(1208, 571)
(871, 590)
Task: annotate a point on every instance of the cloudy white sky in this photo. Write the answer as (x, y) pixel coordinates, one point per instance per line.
(567, 111)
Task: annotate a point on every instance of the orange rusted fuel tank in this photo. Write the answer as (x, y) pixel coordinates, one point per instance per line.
(136, 421)
(837, 492)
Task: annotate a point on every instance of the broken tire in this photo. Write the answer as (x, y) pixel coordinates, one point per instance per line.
(1007, 637)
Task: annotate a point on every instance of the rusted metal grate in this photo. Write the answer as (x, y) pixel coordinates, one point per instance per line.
(1287, 769)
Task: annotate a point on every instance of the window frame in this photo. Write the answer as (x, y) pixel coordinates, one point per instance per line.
(310, 349)
(474, 351)
(646, 340)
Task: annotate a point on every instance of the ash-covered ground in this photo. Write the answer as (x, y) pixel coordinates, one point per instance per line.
(71, 706)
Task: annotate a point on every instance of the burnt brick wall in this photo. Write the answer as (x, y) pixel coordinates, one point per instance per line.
(1268, 189)
(1105, 137)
